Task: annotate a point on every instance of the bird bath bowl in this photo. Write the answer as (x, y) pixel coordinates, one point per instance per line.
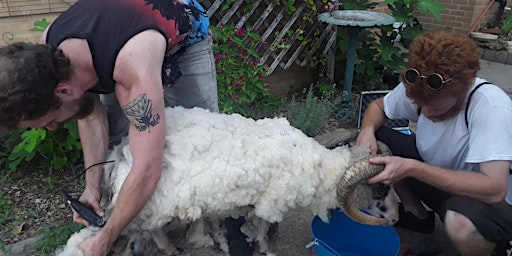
(356, 18)
(354, 21)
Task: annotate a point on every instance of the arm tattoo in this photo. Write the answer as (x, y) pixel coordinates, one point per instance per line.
(140, 110)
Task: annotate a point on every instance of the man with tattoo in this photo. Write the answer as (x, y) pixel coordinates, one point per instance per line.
(112, 64)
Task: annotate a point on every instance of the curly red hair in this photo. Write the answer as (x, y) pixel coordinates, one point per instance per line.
(450, 54)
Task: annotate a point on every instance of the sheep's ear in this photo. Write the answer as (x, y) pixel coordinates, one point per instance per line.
(359, 172)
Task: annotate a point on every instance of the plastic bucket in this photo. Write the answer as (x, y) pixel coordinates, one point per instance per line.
(344, 237)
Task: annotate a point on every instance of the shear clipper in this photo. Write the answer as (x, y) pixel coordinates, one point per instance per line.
(85, 212)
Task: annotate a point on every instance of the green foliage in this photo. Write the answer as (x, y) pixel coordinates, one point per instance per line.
(40, 26)
(56, 237)
(310, 115)
(239, 75)
(6, 213)
(507, 24)
(376, 49)
(403, 12)
(57, 148)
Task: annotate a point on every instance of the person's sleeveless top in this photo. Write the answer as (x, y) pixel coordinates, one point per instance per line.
(108, 24)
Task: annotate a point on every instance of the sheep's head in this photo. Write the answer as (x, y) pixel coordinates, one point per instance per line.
(379, 200)
(354, 194)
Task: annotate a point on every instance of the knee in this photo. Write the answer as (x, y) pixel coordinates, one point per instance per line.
(458, 227)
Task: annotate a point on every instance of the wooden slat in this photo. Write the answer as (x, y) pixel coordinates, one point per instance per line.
(214, 7)
(317, 44)
(230, 13)
(330, 42)
(244, 18)
(299, 49)
(284, 30)
(280, 57)
(264, 15)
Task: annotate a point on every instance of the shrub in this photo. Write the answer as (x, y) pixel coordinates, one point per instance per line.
(310, 115)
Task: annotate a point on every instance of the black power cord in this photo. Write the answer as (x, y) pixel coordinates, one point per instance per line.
(84, 211)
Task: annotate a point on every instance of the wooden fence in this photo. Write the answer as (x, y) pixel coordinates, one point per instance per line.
(12, 8)
(292, 37)
(303, 40)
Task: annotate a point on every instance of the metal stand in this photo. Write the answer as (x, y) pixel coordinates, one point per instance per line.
(353, 33)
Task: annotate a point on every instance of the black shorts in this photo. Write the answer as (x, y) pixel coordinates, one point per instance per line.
(493, 222)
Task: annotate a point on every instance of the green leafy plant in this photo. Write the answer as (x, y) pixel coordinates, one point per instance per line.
(239, 75)
(6, 212)
(57, 148)
(310, 115)
(507, 24)
(403, 12)
(56, 237)
(40, 25)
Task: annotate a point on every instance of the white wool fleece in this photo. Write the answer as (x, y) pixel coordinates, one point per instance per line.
(216, 163)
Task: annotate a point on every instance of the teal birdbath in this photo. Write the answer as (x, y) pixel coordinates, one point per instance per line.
(354, 21)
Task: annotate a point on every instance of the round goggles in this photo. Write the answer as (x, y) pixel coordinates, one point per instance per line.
(434, 81)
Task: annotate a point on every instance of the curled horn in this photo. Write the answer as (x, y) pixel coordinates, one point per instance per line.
(357, 173)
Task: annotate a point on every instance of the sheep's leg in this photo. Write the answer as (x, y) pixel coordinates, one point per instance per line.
(218, 231)
(164, 243)
(196, 235)
(272, 234)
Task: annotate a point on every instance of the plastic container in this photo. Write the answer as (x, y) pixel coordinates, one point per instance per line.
(344, 237)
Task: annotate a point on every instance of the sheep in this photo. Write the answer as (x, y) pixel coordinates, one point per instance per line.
(219, 165)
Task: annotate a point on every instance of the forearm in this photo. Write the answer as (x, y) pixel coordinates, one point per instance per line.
(478, 185)
(93, 131)
(374, 116)
(135, 192)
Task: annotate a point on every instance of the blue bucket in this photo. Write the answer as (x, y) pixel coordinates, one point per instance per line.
(344, 237)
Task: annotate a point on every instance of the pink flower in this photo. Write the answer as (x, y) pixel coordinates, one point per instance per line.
(218, 57)
(240, 32)
(229, 41)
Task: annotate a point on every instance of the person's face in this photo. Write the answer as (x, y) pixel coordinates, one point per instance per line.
(441, 109)
(70, 110)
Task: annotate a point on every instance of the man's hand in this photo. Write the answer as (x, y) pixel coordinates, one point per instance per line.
(88, 198)
(98, 245)
(367, 139)
(396, 169)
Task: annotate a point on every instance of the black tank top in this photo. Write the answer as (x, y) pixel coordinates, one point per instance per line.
(108, 24)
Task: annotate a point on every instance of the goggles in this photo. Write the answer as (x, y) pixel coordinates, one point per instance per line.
(434, 81)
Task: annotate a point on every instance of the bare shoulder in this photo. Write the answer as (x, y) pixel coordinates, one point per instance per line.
(141, 56)
(144, 45)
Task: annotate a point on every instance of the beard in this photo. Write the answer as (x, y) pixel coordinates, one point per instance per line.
(86, 104)
(85, 107)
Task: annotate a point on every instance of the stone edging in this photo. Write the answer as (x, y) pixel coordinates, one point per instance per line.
(504, 57)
